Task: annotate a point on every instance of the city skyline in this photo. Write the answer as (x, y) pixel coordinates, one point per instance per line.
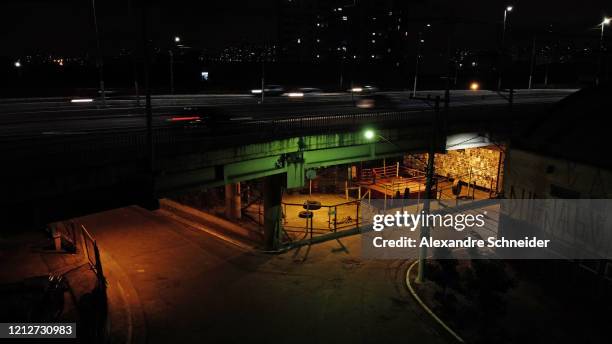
(69, 29)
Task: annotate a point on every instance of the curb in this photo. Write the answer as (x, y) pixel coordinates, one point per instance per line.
(124, 306)
(197, 220)
(427, 309)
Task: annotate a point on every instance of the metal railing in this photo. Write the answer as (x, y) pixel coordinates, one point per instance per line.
(112, 144)
(92, 253)
(335, 217)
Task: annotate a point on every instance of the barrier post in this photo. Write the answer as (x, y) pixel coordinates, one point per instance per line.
(346, 193)
(335, 218)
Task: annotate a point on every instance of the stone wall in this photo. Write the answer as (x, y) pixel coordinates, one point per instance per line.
(477, 166)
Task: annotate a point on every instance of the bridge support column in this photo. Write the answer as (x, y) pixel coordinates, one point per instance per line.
(272, 195)
(57, 238)
(232, 201)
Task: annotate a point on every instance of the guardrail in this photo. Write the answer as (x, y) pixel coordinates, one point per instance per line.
(82, 145)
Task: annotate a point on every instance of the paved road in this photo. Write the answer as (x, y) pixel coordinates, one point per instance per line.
(195, 288)
(60, 117)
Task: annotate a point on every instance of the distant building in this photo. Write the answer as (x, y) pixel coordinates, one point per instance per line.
(328, 30)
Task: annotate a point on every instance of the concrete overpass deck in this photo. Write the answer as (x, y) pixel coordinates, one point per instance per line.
(50, 177)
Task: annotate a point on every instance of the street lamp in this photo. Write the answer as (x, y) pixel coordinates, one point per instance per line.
(507, 10)
(100, 61)
(604, 22)
(369, 134)
(420, 41)
(177, 40)
(17, 64)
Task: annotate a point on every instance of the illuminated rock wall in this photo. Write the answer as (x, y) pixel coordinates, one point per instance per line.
(478, 166)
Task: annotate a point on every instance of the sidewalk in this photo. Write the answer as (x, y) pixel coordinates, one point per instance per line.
(195, 288)
(27, 259)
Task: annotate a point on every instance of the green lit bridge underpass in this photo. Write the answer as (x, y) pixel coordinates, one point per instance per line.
(52, 178)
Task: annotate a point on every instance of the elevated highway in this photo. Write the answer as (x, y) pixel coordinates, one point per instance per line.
(62, 163)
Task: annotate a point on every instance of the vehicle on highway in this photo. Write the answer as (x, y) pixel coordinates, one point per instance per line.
(366, 89)
(269, 90)
(303, 92)
(199, 117)
(380, 101)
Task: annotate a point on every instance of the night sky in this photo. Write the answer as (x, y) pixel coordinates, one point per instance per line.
(66, 27)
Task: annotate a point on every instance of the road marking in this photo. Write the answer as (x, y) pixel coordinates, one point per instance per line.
(425, 308)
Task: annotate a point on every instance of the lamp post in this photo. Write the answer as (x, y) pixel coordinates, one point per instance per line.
(171, 54)
(177, 40)
(435, 136)
(507, 10)
(100, 61)
(416, 64)
(532, 63)
(18, 66)
(604, 22)
(419, 42)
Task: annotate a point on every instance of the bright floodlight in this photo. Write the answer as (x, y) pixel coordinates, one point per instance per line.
(606, 21)
(17, 64)
(356, 89)
(369, 134)
(474, 86)
(81, 100)
(177, 39)
(509, 8)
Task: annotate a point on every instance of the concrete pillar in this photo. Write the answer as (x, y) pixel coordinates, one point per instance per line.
(55, 235)
(272, 210)
(233, 204)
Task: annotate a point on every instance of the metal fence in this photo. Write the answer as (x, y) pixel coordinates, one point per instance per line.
(312, 219)
(92, 253)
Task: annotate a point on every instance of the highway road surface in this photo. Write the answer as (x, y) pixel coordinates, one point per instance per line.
(21, 118)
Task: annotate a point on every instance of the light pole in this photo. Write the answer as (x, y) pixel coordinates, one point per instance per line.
(263, 79)
(171, 71)
(434, 142)
(532, 64)
(420, 40)
(100, 61)
(604, 22)
(507, 10)
(18, 66)
(177, 40)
